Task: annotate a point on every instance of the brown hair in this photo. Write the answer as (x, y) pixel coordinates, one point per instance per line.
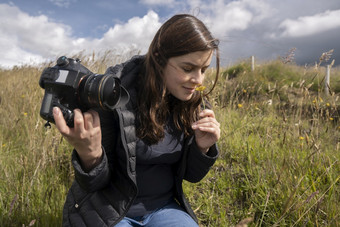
(182, 34)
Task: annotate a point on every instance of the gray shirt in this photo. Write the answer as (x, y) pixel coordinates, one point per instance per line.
(155, 179)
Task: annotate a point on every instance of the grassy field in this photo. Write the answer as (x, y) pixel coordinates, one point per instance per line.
(279, 151)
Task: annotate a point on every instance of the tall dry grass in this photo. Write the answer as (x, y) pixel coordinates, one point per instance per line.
(279, 150)
(279, 162)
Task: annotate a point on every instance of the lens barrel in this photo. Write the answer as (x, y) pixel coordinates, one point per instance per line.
(99, 90)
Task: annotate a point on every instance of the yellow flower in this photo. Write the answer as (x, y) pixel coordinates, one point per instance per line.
(327, 104)
(331, 119)
(239, 105)
(4, 145)
(201, 88)
(301, 138)
(25, 114)
(244, 91)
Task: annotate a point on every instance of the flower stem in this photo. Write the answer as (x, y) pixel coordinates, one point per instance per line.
(202, 100)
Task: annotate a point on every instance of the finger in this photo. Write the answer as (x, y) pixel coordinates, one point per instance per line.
(60, 122)
(207, 127)
(208, 124)
(96, 119)
(88, 120)
(215, 132)
(207, 121)
(78, 121)
(207, 113)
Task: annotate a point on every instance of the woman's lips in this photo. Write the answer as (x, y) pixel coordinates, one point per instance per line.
(191, 90)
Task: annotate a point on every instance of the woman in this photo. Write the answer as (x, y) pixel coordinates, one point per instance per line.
(130, 163)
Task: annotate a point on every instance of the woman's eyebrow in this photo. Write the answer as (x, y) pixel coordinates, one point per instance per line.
(194, 65)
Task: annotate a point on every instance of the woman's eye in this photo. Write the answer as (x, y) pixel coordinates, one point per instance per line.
(203, 70)
(187, 69)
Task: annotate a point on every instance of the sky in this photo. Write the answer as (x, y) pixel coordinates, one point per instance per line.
(33, 31)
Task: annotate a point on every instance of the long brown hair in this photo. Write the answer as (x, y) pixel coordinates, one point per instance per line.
(182, 34)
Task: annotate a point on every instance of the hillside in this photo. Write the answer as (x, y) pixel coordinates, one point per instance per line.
(279, 150)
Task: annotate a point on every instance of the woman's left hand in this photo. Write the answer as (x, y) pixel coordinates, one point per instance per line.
(207, 130)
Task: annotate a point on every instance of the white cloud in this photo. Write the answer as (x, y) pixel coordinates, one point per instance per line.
(243, 26)
(26, 38)
(32, 34)
(37, 37)
(62, 3)
(236, 15)
(137, 32)
(310, 25)
(13, 55)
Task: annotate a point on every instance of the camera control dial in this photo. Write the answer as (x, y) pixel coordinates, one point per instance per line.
(62, 61)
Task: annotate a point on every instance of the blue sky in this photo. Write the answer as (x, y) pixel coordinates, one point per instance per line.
(89, 18)
(40, 30)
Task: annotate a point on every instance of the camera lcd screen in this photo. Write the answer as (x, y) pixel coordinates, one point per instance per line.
(62, 76)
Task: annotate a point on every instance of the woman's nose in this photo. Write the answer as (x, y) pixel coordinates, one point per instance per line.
(197, 77)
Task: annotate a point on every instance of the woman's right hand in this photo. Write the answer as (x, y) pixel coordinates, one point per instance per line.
(85, 137)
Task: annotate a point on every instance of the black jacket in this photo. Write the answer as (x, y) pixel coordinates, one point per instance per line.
(103, 196)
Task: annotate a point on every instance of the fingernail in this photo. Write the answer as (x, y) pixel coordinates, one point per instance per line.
(56, 110)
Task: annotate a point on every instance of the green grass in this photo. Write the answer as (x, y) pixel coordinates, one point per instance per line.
(279, 150)
(279, 163)
(34, 162)
(269, 171)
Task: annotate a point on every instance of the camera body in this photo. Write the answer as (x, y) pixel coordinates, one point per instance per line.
(70, 85)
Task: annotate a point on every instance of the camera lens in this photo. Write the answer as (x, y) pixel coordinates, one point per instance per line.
(110, 92)
(97, 90)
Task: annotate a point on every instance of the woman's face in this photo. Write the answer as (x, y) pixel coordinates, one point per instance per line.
(184, 73)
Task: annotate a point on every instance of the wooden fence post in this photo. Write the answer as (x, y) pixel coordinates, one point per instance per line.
(327, 79)
(252, 63)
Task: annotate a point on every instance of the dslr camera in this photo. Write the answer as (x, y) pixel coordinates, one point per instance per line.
(70, 85)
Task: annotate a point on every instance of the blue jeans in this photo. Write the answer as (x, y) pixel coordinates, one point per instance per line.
(171, 215)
